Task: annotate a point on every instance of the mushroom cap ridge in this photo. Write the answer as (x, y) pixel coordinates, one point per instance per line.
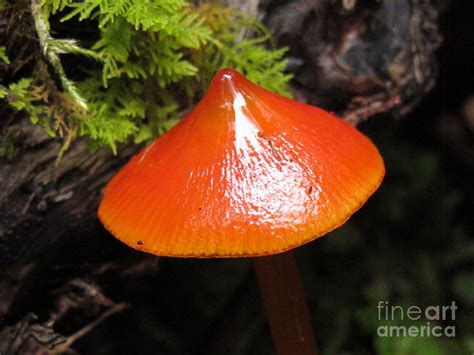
(246, 173)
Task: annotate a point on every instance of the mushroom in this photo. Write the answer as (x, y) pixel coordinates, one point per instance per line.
(247, 173)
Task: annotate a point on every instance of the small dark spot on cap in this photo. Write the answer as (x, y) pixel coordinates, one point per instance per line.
(200, 209)
(140, 242)
(309, 190)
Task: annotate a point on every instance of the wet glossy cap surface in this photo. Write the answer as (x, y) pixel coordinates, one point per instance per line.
(246, 173)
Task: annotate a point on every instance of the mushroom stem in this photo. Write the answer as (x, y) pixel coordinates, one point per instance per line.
(285, 304)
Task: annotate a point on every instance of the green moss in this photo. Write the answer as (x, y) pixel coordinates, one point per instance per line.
(8, 150)
(3, 55)
(156, 60)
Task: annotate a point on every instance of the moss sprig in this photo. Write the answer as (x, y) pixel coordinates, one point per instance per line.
(156, 59)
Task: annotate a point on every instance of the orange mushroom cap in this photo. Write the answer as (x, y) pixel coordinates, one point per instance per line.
(246, 173)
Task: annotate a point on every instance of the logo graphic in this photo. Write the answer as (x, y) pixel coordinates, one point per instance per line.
(417, 321)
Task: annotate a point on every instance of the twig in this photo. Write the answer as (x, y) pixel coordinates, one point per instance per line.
(45, 40)
(119, 307)
(362, 108)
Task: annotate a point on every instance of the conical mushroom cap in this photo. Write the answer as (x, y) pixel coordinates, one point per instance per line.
(246, 173)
